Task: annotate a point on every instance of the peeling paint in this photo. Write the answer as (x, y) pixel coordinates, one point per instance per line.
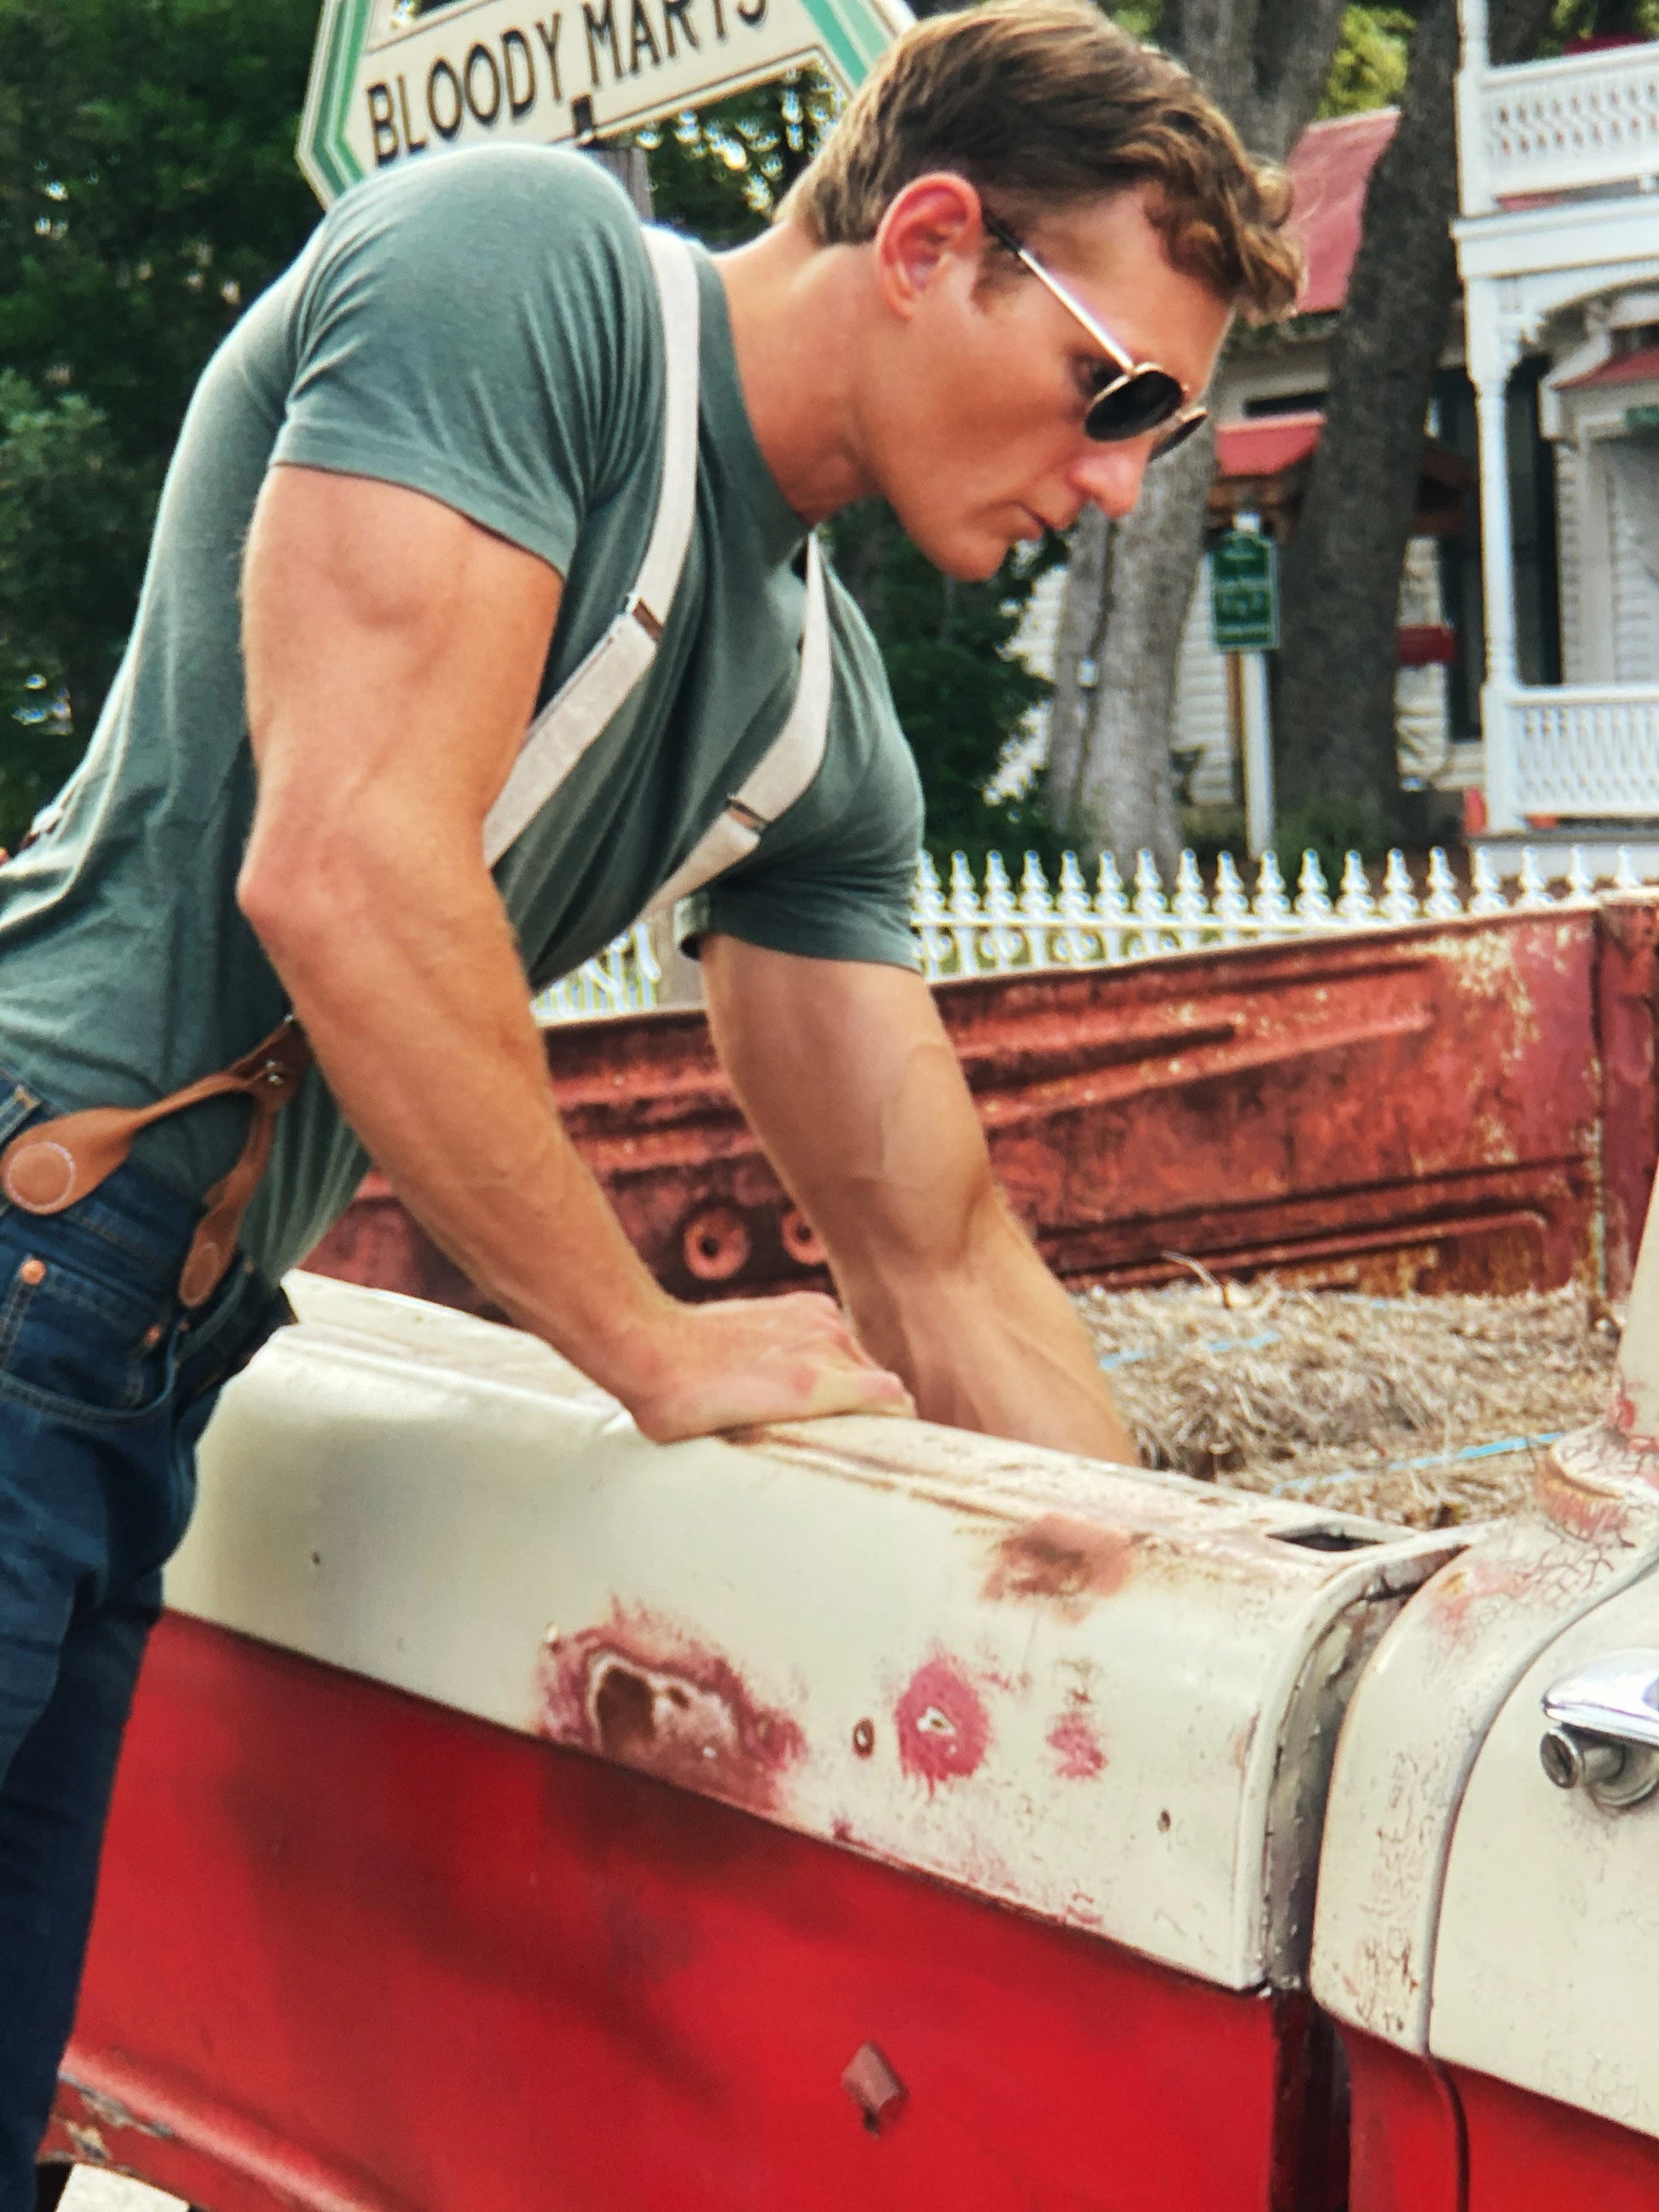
(111, 2112)
(944, 1730)
(1224, 1104)
(645, 1693)
(1079, 1756)
(1061, 1559)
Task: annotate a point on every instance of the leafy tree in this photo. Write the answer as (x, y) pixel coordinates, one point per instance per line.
(1335, 737)
(1110, 788)
(147, 191)
(720, 171)
(74, 518)
(960, 689)
(1370, 68)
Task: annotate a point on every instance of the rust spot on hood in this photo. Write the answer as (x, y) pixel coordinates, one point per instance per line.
(645, 1693)
(1063, 1560)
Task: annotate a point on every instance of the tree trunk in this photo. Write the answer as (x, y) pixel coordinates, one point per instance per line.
(1334, 739)
(1110, 784)
(1077, 648)
(1265, 63)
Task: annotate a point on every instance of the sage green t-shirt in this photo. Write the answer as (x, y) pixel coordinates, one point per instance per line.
(483, 327)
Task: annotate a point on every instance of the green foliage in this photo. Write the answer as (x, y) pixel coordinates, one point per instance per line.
(960, 689)
(721, 172)
(1331, 826)
(1368, 70)
(1589, 19)
(74, 518)
(147, 192)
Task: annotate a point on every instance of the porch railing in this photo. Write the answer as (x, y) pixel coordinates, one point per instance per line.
(990, 925)
(1559, 126)
(1589, 752)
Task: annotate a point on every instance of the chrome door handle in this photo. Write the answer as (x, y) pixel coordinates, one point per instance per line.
(1603, 1732)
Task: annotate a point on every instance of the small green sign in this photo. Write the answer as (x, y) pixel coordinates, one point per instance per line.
(1641, 421)
(1244, 594)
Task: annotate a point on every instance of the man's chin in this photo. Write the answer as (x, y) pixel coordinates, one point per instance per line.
(971, 560)
(967, 555)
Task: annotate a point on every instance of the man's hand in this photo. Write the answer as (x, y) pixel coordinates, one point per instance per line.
(394, 650)
(847, 1075)
(749, 1360)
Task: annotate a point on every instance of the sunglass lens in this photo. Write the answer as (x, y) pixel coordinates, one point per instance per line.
(1136, 403)
(1177, 434)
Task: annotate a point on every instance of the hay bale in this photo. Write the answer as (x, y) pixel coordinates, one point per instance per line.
(1389, 1406)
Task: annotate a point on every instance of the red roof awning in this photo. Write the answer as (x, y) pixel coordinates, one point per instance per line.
(1266, 445)
(1331, 170)
(1641, 367)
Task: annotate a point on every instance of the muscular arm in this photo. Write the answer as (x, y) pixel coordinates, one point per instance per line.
(846, 1073)
(393, 651)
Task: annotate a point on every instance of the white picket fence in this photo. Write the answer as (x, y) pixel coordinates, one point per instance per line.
(966, 927)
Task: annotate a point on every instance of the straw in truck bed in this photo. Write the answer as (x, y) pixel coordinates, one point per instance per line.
(1426, 1411)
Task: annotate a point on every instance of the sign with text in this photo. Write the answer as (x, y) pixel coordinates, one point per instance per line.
(391, 81)
(1244, 594)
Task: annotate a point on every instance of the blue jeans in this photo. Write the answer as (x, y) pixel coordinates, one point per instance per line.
(106, 1385)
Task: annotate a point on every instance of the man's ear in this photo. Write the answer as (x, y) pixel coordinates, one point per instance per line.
(931, 225)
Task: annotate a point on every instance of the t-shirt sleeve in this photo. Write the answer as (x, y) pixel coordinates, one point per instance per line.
(481, 328)
(834, 878)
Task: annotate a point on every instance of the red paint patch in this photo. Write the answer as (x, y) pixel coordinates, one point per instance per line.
(1061, 1559)
(1078, 1754)
(642, 1692)
(943, 1727)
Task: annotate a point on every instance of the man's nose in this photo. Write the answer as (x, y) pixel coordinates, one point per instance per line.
(1109, 477)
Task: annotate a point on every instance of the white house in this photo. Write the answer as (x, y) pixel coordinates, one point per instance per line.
(1269, 402)
(1558, 246)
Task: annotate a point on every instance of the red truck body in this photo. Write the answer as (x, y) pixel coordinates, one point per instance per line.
(358, 1951)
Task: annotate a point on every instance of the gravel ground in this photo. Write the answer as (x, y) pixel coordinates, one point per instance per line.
(1424, 1410)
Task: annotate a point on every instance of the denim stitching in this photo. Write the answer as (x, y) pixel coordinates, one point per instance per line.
(92, 1297)
(76, 1414)
(18, 1297)
(93, 1221)
(15, 1110)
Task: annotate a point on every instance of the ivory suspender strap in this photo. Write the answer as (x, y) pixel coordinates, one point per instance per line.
(585, 703)
(46, 1168)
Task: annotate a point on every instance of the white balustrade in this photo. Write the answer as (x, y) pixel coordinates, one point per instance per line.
(987, 930)
(1586, 751)
(1559, 125)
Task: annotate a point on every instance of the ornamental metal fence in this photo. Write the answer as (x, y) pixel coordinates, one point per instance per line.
(990, 925)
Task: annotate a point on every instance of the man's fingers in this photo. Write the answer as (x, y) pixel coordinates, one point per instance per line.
(872, 1391)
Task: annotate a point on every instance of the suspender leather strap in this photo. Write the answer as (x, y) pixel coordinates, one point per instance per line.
(45, 1169)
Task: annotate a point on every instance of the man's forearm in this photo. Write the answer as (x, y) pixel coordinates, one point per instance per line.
(989, 1342)
(419, 1013)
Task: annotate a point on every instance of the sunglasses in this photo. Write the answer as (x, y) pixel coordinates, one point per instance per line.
(1136, 400)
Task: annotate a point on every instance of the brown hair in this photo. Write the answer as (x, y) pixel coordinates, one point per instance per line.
(1040, 104)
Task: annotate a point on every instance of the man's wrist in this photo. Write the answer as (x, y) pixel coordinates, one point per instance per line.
(625, 1345)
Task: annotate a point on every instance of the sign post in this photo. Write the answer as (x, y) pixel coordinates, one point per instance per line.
(391, 81)
(1244, 623)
